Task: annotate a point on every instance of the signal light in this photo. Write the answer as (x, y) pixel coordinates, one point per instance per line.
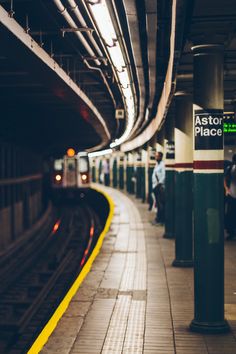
(70, 152)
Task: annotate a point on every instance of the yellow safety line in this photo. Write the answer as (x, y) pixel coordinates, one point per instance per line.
(52, 323)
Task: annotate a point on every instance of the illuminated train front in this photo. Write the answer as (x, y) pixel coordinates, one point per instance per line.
(71, 171)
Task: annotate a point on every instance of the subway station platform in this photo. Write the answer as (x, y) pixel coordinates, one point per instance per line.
(134, 301)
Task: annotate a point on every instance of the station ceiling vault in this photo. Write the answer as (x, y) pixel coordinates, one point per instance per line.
(62, 79)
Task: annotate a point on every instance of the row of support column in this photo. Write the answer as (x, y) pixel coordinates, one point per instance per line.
(193, 147)
(130, 171)
(197, 195)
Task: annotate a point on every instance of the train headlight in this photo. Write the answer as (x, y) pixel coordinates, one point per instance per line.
(84, 178)
(58, 178)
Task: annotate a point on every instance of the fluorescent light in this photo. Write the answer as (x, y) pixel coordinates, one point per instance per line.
(103, 20)
(104, 24)
(116, 57)
(100, 153)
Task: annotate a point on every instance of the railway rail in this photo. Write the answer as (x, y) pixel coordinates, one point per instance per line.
(39, 276)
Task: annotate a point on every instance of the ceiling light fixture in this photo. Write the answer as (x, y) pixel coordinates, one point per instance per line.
(103, 22)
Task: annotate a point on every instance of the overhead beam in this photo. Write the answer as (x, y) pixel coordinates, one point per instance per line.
(46, 63)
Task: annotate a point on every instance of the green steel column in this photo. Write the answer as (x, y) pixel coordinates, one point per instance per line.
(138, 176)
(208, 190)
(143, 183)
(93, 171)
(96, 164)
(121, 172)
(114, 172)
(100, 171)
(170, 190)
(130, 174)
(183, 181)
(128, 177)
(127, 169)
(132, 183)
(143, 175)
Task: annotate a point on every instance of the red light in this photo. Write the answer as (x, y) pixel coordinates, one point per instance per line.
(82, 262)
(91, 231)
(56, 226)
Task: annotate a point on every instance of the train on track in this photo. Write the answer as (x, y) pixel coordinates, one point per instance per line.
(72, 171)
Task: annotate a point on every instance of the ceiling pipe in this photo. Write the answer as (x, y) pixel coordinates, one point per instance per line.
(103, 77)
(71, 22)
(131, 14)
(75, 9)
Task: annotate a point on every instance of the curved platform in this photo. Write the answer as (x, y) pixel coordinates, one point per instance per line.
(133, 300)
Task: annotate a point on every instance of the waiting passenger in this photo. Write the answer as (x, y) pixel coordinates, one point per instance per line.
(158, 187)
(230, 191)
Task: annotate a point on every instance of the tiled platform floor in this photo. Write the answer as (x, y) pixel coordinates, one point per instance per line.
(134, 301)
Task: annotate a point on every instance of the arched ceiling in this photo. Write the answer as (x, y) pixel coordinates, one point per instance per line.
(59, 89)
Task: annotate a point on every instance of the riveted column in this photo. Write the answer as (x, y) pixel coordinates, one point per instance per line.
(183, 180)
(100, 170)
(208, 190)
(93, 167)
(144, 174)
(121, 171)
(170, 179)
(130, 173)
(138, 174)
(114, 171)
(147, 186)
(96, 164)
(146, 177)
(125, 170)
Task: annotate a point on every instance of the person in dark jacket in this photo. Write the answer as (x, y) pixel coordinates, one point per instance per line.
(230, 192)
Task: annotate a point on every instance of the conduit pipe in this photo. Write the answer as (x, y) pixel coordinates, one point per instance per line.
(75, 9)
(104, 80)
(71, 22)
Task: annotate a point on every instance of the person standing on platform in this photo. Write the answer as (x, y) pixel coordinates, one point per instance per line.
(158, 188)
(230, 191)
(106, 172)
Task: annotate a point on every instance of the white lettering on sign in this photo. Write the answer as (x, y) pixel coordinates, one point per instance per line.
(207, 132)
(208, 129)
(201, 122)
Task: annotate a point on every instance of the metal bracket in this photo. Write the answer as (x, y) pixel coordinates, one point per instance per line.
(27, 29)
(114, 43)
(41, 43)
(80, 29)
(51, 50)
(95, 2)
(122, 70)
(105, 60)
(11, 12)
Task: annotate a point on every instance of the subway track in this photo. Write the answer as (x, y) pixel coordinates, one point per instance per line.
(42, 273)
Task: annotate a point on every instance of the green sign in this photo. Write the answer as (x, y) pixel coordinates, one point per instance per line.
(229, 123)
